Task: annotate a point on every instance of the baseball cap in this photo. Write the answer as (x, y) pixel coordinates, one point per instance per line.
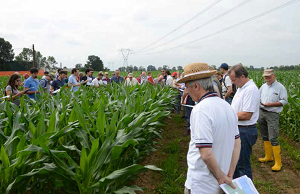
(224, 66)
(268, 72)
(174, 73)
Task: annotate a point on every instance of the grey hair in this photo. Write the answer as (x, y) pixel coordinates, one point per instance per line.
(206, 84)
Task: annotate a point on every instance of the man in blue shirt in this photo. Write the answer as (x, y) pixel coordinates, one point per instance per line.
(32, 84)
(73, 80)
(117, 78)
(59, 82)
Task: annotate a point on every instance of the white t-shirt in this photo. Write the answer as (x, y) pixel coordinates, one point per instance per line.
(169, 81)
(247, 99)
(89, 81)
(227, 81)
(213, 124)
(133, 82)
(97, 82)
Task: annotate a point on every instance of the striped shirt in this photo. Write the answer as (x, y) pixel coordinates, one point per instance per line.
(214, 124)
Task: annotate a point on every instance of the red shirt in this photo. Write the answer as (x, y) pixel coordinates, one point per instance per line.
(150, 79)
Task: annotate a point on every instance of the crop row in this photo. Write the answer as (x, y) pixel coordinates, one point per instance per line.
(85, 142)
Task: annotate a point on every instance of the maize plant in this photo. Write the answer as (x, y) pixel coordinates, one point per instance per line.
(89, 142)
(290, 116)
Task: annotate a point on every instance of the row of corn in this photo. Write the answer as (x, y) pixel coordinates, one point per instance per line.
(87, 142)
(290, 116)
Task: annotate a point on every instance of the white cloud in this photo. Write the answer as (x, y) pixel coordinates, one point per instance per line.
(72, 30)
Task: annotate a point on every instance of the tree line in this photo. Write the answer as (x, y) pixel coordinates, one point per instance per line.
(24, 61)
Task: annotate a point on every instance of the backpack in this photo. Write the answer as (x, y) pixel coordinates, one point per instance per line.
(43, 83)
(233, 86)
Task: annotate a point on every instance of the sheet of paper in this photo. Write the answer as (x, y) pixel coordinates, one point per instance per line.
(56, 91)
(244, 185)
(187, 105)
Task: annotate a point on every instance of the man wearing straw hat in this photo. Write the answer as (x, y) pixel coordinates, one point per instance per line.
(273, 96)
(215, 145)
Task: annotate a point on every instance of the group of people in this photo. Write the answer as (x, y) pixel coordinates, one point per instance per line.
(223, 128)
(223, 113)
(52, 83)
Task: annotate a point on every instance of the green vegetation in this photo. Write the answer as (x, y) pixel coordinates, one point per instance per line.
(87, 142)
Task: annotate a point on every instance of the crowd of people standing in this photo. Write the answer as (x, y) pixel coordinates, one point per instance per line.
(223, 131)
(222, 111)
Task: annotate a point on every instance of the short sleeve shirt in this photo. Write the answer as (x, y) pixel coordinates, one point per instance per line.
(117, 80)
(73, 81)
(10, 89)
(226, 82)
(273, 93)
(97, 82)
(247, 99)
(57, 84)
(214, 124)
(32, 85)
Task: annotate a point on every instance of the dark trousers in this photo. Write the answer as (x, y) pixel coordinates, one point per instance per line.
(248, 137)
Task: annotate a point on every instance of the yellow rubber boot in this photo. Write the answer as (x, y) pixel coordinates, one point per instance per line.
(277, 156)
(268, 152)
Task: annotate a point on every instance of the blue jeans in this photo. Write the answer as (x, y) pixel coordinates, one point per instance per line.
(229, 100)
(248, 137)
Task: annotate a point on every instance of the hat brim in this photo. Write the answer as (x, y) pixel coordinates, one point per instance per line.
(196, 77)
(267, 74)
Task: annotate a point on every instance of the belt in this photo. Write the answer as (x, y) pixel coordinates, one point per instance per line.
(264, 110)
(247, 125)
(268, 111)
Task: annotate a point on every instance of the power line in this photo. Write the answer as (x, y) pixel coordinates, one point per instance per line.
(198, 27)
(125, 53)
(180, 26)
(229, 28)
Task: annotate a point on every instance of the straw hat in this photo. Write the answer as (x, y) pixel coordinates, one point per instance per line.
(196, 71)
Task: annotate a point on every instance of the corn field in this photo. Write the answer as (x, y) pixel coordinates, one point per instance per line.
(92, 141)
(290, 116)
(85, 142)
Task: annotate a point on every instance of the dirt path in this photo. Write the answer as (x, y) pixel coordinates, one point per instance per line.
(287, 181)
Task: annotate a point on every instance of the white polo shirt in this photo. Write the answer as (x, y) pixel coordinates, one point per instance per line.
(213, 125)
(247, 99)
(97, 82)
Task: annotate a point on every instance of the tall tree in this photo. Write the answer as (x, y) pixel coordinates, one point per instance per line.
(166, 67)
(141, 68)
(173, 68)
(6, 53)
(95, 63)
(129, 68)
(78, 66)
(51, 62)
(151, 68)
(25, 56)
(135, 68)
(179, 68)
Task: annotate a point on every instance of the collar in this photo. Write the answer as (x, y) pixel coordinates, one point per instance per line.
(272, 83)
(247, 83)
(208, 95)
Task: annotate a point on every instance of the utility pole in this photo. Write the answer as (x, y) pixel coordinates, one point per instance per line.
(33, 54)
(125, 53)
(111, 64)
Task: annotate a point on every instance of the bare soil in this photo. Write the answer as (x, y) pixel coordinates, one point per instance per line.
(287, 181)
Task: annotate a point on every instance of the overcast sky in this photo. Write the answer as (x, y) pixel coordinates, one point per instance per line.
(72, 30)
